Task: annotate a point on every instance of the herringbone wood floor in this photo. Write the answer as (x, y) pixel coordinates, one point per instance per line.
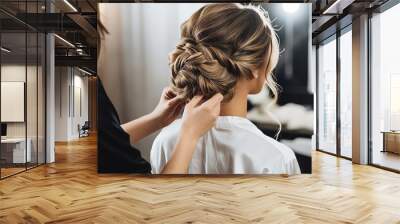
(70, 191)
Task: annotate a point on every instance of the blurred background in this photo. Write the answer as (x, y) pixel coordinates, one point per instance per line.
(133, 66)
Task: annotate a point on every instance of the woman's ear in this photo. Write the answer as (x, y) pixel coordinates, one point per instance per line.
(254, 74)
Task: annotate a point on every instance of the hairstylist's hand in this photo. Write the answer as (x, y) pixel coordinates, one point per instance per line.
(169, 107)
(197, 119)
(200, 117)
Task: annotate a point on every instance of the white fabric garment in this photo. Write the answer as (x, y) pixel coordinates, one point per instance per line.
(233, 146)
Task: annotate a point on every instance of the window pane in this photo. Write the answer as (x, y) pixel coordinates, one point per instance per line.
(345, 94)
(327, 96)
(385, 114)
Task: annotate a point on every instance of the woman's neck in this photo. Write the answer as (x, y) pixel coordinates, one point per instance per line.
(237, 106)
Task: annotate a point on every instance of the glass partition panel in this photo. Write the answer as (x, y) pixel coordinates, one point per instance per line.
(22, 88)
(14, 153)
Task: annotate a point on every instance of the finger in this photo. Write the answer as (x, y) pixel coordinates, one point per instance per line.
(213, 105)
(214, 100)
(165, 90)
(195, 101)
(170, 93)
(164, 93)
(174, 101)
(167, 93)
(178, 109)
(177, 103)
(192, 104)
(217, 109)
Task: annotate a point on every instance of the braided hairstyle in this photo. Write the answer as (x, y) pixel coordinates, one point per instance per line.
(221, 43)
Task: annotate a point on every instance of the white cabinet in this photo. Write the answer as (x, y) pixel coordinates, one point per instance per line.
(16, 149)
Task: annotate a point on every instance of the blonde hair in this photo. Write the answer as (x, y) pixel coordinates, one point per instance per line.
(221, 43)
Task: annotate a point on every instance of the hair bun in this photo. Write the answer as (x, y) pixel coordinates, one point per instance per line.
(195, 71)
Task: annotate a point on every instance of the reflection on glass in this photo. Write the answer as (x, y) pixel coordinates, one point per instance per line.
(327, 96)
(22, 92)
(385, 84)
(346, 94)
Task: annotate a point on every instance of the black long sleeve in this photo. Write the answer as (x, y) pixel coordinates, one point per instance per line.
(114, 151)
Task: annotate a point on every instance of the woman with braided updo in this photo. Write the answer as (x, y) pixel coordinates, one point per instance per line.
(231, 49)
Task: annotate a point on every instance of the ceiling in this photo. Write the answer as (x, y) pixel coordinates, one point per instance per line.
(76, 20)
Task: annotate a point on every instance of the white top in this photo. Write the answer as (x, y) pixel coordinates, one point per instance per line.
(233, 146)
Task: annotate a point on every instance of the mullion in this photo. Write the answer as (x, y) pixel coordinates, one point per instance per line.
(37, 90)
(26, 86)
(338, 95)
(369, 101)
(317, 96)
(45, 86)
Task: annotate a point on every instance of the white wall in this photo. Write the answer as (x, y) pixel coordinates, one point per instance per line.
(61, 103)
(33, 126)
(12, 73)
(79, 117)
(69, 82)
